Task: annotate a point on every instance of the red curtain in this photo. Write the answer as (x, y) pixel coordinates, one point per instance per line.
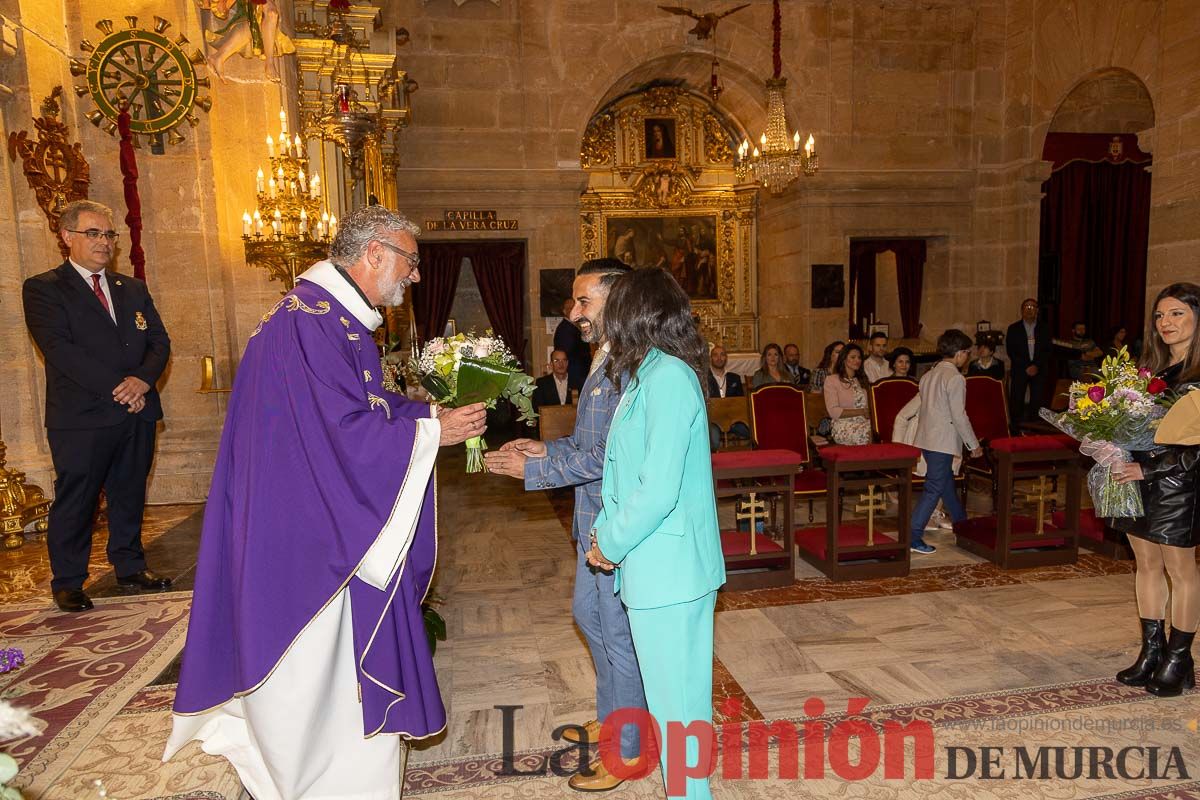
(910, 277)
(500, 273)
(1096, 220)
(433, 296)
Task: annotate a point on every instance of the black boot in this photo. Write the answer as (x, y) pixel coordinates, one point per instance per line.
(1154, 641)
(1177, 670)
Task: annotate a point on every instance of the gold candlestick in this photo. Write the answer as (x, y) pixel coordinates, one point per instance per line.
(20, 504)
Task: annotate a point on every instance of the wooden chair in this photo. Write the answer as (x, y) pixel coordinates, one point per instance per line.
(779, 421)
(555, 422)
(814, 412)
(725, 411)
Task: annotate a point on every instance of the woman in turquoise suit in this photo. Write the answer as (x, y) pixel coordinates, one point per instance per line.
(658, 527)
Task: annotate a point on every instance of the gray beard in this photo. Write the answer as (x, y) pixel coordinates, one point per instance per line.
(392, 294)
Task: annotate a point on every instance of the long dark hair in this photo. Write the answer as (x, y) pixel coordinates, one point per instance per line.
(645, 309)
(827, 356)
(1156, 356)
(840, 368)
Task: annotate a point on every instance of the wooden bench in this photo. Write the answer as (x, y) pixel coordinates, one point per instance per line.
(555, 422)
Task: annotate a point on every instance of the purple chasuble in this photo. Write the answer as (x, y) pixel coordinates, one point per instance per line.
(312, 461)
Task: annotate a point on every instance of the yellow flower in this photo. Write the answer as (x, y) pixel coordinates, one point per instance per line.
(1084, 403)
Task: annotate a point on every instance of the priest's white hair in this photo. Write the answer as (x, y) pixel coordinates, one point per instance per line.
(363, 226)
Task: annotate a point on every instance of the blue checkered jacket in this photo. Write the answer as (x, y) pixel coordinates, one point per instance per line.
(578, 460)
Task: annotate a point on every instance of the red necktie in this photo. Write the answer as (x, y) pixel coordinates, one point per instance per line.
(99, 292)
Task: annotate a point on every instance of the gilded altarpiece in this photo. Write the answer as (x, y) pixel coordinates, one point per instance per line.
(661, 192)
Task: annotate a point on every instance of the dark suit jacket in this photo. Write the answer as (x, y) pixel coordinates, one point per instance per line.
(1018, 348)
(546, 393)
(86, 354)
(733, 385)
(579, 354)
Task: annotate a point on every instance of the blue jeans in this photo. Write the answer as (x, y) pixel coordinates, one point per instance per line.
(601, 616)
(939, 485)
(739, 429)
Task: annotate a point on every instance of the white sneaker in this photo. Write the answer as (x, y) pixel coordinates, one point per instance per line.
(938, 521)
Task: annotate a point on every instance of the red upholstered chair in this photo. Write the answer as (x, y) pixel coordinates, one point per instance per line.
(888, 397)
(987, 409)
(778, 421)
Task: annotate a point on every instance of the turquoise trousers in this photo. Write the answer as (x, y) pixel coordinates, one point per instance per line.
(674, 647)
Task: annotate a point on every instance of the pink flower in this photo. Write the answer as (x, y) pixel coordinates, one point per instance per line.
(437, 348)
(1096, 394)
(1143, 373)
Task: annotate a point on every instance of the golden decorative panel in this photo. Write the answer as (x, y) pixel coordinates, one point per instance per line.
(661, 192)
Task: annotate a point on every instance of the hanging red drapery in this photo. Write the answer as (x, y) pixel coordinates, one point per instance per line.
(133, 202)
(500, 274)
(433, 296)
(910, 278)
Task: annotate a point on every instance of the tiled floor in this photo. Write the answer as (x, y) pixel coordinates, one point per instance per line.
(956, 626)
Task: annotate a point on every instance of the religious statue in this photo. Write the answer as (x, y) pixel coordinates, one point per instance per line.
(250, 29)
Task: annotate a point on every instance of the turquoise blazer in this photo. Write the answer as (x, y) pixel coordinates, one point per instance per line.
(659, 521)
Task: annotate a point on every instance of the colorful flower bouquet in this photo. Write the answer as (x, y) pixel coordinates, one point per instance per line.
(466, 369)
(1112, 417)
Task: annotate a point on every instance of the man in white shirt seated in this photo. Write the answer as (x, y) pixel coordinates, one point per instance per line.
(876, 367)
(553, 389)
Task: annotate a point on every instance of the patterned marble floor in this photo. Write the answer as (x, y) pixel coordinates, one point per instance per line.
(957, 627)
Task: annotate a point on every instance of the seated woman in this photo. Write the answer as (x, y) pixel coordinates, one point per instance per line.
(832, 351)
(658, 527)
(986, 363)
(902, 363)
(846, 398)
(772, 369)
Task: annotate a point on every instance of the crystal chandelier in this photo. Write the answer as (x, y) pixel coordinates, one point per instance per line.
(290, 228)
(778, 160)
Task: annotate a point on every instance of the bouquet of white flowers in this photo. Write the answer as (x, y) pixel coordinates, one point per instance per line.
(466, 369)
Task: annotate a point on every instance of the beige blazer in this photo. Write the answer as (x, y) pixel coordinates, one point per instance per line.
(941, 408)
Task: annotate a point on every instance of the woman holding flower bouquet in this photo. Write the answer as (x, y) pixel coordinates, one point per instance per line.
(1164, 539)
(659, 521)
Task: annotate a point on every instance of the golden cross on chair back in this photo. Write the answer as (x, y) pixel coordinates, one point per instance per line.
(1039, 495)
(752, 508)
(874, 501)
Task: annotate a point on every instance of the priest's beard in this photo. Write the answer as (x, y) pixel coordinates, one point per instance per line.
(392, 290)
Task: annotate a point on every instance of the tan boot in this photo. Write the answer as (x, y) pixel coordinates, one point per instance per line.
(601, 779)
(591, 728)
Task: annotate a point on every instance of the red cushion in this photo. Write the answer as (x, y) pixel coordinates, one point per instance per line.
(813, 540)
(1090, 525)
(865, 453)
(740, 459)
(1023, 536)
(888, 396)
(811, 481)
(1032, 444)
(778, 420)
(737, 543)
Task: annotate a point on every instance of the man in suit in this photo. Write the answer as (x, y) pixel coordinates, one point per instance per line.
(105, 348)
(791, 363)
(723, 384)
(553, 389)
(1028, 345)
(568, 339)
(578, 460)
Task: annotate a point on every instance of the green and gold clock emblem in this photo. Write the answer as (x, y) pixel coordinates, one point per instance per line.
(147, 72)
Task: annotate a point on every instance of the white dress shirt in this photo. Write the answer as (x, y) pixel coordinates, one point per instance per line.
(87, 278)
(876, 369)
(564, 394)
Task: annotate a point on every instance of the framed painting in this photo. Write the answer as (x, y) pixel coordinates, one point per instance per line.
(555, 288)
(686, 246)
(660, 137)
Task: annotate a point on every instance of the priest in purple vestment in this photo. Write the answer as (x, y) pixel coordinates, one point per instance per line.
(306, 659)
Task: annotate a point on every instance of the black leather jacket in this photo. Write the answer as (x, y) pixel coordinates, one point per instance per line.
(1170, 483)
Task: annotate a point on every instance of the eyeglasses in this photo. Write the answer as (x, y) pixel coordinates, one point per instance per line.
(412, 258)
(96, 233)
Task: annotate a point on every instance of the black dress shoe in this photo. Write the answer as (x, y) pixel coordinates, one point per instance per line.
(72, 600)
(145, 580)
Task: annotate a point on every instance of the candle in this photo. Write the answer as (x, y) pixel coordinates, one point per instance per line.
(756, 152)
(303, 221)
(333, 226)
(270, 146)
(320, 229)
(810, 145)
(258, 181)
(302, 186)
(296, 144)
(314, 186)
(277, 224)
(271, 185)
(796, 139)
(763, 141)
(283, 123)
(280, 174)
(245, 223)
(257, 222)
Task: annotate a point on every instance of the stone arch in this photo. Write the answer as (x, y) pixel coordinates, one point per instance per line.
(1107, 101)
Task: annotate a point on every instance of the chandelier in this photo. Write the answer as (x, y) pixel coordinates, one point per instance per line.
(291, 227)
(778, 160)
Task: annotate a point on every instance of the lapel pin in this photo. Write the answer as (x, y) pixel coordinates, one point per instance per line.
(139, 321)
(118, 283)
